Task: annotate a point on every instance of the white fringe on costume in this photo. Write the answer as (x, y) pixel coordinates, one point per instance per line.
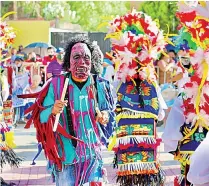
(139, 166)
(136, 139)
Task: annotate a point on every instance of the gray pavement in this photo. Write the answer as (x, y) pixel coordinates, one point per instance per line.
(37, 175)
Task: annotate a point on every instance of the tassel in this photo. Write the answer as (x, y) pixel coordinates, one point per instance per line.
(10, 157)
(134, 115)
(141, 180)
(138, 168)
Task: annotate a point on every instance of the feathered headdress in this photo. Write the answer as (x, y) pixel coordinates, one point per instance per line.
(195, 19)
(184, 41)
(7, 34)
(196, 94)
(138, 41)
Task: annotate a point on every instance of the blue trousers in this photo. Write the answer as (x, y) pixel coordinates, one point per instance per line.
(68, 176)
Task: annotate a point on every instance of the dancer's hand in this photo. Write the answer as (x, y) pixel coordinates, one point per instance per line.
(103, 118)
(58, 107)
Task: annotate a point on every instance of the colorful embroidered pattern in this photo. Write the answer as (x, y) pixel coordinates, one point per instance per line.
(139, 168)
(145, 89)
(129, 98)
(130, 89)
(134, 157)
(153, 102)
(8, 112)
(136, 115)
(192, 137)
(135, 129)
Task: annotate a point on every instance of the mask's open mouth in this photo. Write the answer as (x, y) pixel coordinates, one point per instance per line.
(81, 70)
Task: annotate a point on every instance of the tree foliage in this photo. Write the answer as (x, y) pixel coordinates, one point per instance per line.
(5, 7)
(48, 10)
(88, 14)
(164, 11)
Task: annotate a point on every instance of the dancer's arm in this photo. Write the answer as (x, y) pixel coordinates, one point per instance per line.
(106, 103)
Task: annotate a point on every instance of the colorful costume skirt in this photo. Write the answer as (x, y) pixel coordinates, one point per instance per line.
(136, 150)
(192, 137)
(7, 155)
(8, 112)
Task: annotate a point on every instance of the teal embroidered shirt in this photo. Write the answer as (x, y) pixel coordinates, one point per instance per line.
(85, 129)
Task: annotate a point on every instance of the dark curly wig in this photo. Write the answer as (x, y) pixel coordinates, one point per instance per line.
(96, 54)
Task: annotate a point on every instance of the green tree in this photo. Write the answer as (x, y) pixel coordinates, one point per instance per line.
(47, 10)
(90, 14)
(5, 6)
(164, 11)
(8, 6)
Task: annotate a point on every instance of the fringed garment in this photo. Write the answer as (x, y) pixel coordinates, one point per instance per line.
(7, 105)
(77, 120)
(7, 155)
(135, 142)
(192, 137)
(8, 112)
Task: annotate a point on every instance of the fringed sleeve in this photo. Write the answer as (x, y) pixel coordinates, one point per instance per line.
(106, 102)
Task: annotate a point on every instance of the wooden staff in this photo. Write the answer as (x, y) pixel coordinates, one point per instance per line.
(62, 99)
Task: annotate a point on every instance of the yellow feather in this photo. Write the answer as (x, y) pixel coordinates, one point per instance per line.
(114, 35)
(102, 25)
(133, 81)
(108, 18)
(202, 3)
(7, 14)
(165, 54)
(112, 143)
(157, 22)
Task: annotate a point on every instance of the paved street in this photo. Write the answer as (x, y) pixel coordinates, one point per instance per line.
(37, 175)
